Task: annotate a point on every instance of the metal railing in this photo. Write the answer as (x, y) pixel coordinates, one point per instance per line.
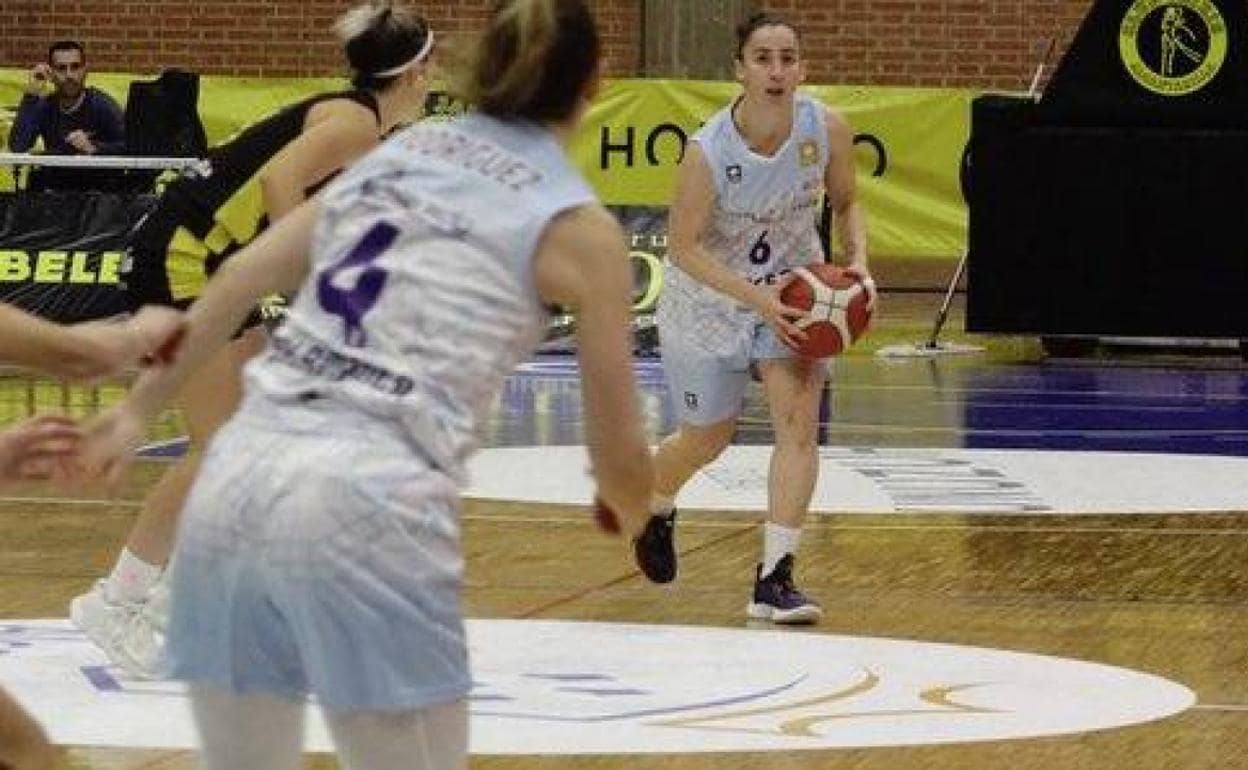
(123, 162)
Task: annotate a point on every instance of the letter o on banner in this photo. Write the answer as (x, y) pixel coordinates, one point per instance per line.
(648, 281)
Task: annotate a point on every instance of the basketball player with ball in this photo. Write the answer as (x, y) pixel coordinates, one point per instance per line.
(748, 195)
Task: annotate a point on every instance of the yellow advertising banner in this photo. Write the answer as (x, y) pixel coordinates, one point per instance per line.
(908, 143)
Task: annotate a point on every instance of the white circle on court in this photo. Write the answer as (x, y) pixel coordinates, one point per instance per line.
(553, 687)
(889, 480)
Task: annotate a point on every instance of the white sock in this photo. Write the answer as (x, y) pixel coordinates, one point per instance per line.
(778, 540)
(131, 578)
(660, 505)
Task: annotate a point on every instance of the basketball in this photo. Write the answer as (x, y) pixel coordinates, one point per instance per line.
(837, 301)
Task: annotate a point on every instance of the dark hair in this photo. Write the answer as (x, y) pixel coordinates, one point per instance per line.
(533, 60)
(378, 36)
(66, 45)
(756, 22)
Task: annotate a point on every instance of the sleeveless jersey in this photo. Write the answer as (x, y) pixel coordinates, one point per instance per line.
(216, 214)
(763, 222)
(420, 298)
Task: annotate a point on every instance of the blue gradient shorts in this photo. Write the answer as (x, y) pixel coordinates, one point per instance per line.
(708, 387)
(320, 555)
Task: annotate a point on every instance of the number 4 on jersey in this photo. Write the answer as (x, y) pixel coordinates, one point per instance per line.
(353, 302)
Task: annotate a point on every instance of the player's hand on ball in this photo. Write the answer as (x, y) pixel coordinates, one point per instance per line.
(781, 317)
(861, 272)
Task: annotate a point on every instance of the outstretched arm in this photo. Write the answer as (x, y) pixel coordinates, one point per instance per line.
(277, 261)
(88, 350)
(582, 264)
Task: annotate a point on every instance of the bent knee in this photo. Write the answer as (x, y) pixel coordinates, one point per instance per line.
(705, 444)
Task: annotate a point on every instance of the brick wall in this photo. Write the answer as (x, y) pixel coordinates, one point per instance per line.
(239, 37)
(976, 43)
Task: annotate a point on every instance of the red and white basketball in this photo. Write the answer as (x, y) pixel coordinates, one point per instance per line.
(837, 302)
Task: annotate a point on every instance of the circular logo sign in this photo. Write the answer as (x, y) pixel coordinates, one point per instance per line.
(1173, 47)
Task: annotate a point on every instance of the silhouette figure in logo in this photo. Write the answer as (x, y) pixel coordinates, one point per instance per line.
(1175, 39)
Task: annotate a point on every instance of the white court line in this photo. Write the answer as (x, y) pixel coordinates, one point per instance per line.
(1233, 707)
(745, 518)
(903, 429)
(1196, 409)
(1202, 397)
(72, 501)
(692, 523)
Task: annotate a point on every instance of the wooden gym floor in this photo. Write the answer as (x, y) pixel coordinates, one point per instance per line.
(1165, 594)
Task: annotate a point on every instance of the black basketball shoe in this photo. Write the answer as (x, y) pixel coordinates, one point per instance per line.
(777, 599)
(655, 548)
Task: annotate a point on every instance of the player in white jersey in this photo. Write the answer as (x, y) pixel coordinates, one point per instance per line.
(201, 221)
(748, 197)
(319, 552)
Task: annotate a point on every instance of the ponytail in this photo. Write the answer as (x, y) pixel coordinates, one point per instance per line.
(533, 60)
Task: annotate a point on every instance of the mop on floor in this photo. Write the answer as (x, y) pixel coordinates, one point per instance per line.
(933, 346)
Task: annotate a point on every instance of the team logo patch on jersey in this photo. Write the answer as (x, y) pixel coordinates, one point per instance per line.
(808, 153)
(733, 173)
(691, 400)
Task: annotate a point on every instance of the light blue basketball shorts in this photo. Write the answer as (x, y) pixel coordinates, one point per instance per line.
(706, 387)
(318, 554)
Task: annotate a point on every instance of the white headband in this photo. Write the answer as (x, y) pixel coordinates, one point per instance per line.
(412, 62)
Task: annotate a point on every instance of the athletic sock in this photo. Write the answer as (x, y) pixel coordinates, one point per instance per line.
(778, 540)
(131, 578)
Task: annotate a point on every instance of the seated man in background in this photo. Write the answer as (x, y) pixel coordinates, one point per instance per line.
(72, 119)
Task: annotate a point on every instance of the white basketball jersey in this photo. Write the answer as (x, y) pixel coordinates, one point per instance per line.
(763, 221)
(420, 298)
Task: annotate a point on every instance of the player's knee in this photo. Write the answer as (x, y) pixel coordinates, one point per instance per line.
(706, 444)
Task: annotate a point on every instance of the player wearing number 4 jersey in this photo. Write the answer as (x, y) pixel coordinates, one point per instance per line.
(320, 546)
(747, 202)
(200, 222)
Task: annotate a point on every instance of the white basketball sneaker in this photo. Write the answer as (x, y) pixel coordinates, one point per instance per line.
(131, 634)
(140, 648)
(100, 618)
